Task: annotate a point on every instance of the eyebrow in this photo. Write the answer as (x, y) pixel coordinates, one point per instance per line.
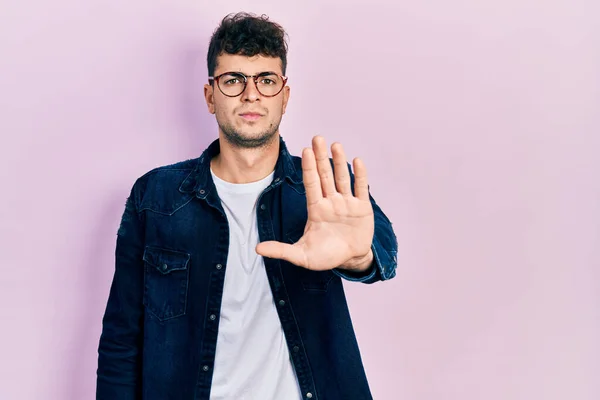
(245, 74)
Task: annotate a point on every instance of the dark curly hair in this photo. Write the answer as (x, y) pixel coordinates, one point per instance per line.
(248, 35)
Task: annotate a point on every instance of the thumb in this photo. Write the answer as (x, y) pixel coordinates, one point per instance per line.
(282, 251)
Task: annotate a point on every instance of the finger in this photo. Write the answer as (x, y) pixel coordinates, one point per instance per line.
(323, 166)
(361, 185)
(310, 176)
(341, 173)
(283, 251)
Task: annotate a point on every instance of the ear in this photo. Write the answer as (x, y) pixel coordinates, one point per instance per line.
(286, 97)
(209, 97)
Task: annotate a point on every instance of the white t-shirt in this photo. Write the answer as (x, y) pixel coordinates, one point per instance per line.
(252, 359)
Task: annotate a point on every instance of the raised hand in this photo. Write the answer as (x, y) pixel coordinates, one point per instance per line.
(340, 226)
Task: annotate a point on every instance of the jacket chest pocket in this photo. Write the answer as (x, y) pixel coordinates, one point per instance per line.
(165, 282)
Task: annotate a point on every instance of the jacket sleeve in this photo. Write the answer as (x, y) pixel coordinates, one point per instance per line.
(120, 347)
(384, 246)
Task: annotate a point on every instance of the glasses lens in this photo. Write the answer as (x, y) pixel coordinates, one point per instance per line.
(231, 84)
(269, 84)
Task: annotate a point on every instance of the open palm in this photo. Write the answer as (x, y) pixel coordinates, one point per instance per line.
(340, 225)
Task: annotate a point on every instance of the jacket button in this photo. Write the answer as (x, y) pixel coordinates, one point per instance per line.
(205, 368)
(263, 207)
(213, 317)
(164, 267)
(219, 266)
(282, 302)
(296, 349)
(309, 395)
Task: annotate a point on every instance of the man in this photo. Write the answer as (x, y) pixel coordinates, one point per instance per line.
(229, 267)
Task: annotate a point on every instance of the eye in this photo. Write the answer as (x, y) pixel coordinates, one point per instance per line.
(269, 80)
(231, 79)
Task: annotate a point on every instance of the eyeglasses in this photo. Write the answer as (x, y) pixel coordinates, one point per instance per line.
(232, 84)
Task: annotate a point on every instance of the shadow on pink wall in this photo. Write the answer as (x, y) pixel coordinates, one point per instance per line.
(195, 129)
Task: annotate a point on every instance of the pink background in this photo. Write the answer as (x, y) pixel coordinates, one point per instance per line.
(479, 123)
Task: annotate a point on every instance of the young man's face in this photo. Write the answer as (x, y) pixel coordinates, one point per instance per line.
(250, 119)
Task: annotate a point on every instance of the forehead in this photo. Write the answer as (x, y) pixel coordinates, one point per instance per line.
(247, 65)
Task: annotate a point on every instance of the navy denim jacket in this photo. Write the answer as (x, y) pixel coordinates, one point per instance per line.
(160, 326)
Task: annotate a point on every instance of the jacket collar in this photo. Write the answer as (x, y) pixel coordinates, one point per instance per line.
(200, 182)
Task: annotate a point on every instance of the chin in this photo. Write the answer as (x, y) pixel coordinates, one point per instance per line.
(246, 138)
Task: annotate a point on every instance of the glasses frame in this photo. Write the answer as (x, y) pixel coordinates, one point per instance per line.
(255, 77)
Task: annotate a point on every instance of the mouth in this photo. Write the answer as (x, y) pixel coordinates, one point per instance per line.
(251, 116)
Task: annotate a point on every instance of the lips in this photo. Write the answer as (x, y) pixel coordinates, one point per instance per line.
(250, 116)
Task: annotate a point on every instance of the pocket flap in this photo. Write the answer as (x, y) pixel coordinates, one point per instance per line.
(294, 235)
(166, 260)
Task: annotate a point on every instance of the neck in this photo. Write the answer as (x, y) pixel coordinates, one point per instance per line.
(239, 165)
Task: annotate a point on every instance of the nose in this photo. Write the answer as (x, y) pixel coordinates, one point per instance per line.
(250, 93)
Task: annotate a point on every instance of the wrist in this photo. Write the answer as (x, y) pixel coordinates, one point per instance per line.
(359, 264)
